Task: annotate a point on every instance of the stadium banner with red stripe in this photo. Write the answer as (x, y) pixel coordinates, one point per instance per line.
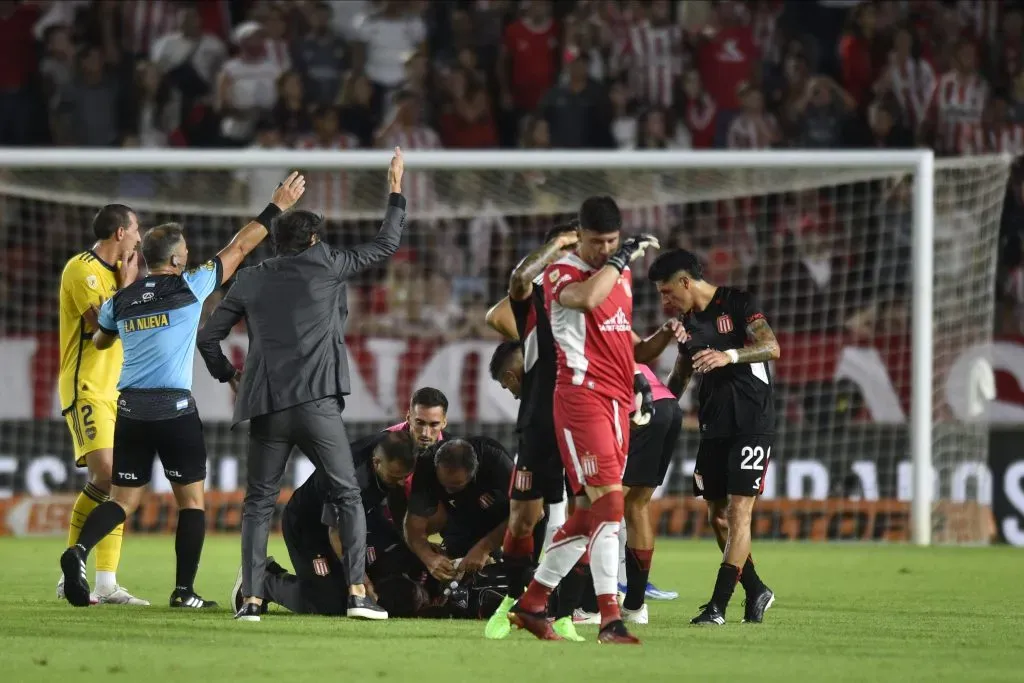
(876, 372)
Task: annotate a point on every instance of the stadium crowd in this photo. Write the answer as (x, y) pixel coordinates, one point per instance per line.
(534, 75)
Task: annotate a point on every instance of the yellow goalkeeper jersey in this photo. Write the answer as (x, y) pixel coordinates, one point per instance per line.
(86, 281)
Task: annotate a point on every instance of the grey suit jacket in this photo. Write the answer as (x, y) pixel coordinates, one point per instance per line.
(295, 308)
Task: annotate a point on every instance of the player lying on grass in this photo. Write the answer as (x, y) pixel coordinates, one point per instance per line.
(319, 584)
(728, 348)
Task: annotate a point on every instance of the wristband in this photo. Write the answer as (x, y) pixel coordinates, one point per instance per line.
(268, 215)
(734, 355)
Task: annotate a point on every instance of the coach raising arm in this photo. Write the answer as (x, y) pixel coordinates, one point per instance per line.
(156, 318)
(295, 380)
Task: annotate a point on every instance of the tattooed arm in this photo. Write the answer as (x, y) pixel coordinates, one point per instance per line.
(762, 346)
(681, 373)
(520, 285)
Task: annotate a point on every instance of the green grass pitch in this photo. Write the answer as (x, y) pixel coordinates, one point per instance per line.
(843, 613)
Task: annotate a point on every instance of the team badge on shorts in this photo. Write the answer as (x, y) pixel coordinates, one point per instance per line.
(371, 554)
(698, 480)
(523, 481)
(724, 324)
(589, 465)
(320, 566)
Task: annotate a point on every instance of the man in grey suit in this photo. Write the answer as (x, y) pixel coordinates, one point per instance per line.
(295, 380)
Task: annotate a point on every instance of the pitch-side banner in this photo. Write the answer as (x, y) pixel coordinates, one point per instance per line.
(385, 371)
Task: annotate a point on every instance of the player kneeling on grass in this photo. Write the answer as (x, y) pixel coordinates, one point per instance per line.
(729, 346)
(320, 584)
(460, 490)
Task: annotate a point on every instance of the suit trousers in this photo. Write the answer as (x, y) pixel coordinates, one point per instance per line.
(317, 429)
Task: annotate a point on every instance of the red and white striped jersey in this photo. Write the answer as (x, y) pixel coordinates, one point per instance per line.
(329, 191)
(981, 19)
(977, 139)
(913, 85)
(701, 118)
(656, 56)
(279, 53)
(143, 21)
(751, 131)
(958, 101)
(418, 186)
(594, 349)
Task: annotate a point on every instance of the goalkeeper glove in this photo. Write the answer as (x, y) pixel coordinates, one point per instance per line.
(632, 249)
(645, 400)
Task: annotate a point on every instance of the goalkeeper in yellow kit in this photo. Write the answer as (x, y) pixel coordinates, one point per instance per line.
(88, 378)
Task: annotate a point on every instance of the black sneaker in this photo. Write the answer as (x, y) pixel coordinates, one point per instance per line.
(709, 616)
(249, 611)
(364, 607)
(274, 568)
(616, 632)
(190, 600)
(757, 605)
(76, 585)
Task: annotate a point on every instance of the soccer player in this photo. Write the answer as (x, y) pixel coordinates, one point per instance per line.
(459, 488)
(654, 431)
(589, 300)
(88, 378)
(320, 584)
(157, 318)
(539, 478)
(729, 348)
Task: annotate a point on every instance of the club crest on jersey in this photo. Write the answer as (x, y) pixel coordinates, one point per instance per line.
(320, 566)
(523, 481)
(588, 463)
(371, 554)
(486, 501)
(724, 324)
(554, 275)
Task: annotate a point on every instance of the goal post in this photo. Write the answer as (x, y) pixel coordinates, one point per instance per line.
(695, 189)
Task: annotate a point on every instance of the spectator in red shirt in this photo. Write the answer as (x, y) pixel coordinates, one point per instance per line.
(528, 64)
(18, 61)
(700, 113)
(727, 57)
(856, 54)
(467, 121)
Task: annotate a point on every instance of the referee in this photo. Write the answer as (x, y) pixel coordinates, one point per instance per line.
(292, 391)
(157, 318)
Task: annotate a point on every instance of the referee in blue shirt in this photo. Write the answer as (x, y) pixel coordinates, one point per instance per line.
(157, 318)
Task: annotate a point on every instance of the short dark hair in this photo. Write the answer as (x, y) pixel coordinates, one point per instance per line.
(398, 447)
(293, 231)
(159, 243)
(671, 262)
(429, 397)
(600, 214)
(456, 454)
(502, 355)
(108, 219)
(561, 229)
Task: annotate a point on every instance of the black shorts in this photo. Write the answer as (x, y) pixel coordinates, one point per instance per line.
(732, 466)
(386, 551)
(464, 530)
(651, 446)
(178, 441)
(538, 472)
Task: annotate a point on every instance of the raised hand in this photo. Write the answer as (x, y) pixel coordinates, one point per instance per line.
(289, 192)
(396, 170)
(632, 249)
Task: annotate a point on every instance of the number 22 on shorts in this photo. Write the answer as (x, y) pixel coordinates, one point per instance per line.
(754, 458)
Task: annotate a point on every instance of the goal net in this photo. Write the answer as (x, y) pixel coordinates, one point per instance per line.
(826, 250)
